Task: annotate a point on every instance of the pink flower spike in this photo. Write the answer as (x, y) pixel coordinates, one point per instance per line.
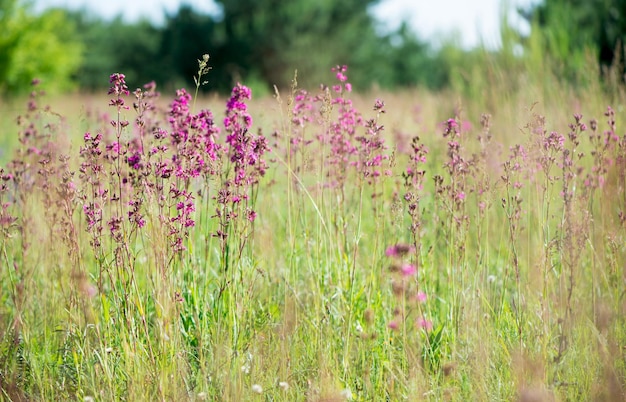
(393, 325)
(398, 250)
(424, 324)
(420, 297)
(408, 270)
(391, 251)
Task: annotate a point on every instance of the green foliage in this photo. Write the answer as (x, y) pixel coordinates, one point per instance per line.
(409, 62)
(568, 31)
(113, 46)
(36, 47)
(277, 37)
(186, 36)
(262, 42)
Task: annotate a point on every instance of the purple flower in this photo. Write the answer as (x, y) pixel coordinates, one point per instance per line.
(425, 324)
(118, 87)
(245, 150)
(398, 250)
(554, 141)
(134, 161)
(408, 270)
(379, 106)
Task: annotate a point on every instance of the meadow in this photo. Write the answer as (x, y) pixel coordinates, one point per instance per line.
(315, 245)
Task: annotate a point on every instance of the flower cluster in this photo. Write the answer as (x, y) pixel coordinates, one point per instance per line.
(342, 131)
(404, 288)
(452, 193)
(372, 145)
(194, 138)
(7, 219)
(413, 184)
(245, 151)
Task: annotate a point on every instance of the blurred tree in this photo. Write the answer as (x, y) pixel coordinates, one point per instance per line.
(145, 52)
(414, 63)
(259, 42)
(264, 45)
(44, 47)
(188, 35)
(568, 30)
(276, 37)
(115, 46)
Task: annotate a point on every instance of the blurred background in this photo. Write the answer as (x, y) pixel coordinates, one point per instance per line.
(467, 46)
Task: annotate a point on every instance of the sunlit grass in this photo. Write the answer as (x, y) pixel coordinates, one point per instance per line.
(518, 294)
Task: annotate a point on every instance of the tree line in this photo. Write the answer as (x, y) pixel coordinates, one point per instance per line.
(262, 42)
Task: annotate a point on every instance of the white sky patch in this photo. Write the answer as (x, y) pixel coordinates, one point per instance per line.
(129, 10)
(469, 22)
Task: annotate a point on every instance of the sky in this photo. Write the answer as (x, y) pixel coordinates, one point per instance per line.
(471, 21)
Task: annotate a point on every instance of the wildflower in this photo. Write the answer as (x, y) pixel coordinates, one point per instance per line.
(134, 161)
(398, 250)
(244, 149)
(114, 147)
(420, 297)
(283, 385)
(393, 325)
(424, 324)
(451, 128)
(119, 84)
(245, 368)
(89, 290)
(379, 106)
(408, 270)
(257, 389)
(554, 141)
(482, 205)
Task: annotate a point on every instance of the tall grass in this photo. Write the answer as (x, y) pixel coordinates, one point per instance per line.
(373, 247)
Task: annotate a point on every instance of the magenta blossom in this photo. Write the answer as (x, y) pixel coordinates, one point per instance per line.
(398, 250)
(408, 270)
(425, 324)
(420, 297)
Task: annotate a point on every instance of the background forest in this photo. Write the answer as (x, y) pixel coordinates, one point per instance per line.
(262, 42)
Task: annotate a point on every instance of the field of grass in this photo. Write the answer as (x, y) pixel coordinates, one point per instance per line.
(314, 246)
